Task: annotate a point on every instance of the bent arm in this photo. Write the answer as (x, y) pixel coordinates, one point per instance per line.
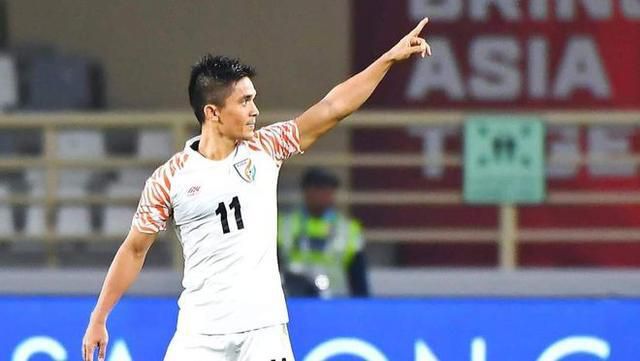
(348, 96)
(124, 269)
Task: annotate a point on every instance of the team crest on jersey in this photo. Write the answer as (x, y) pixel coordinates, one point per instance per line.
(246, 169)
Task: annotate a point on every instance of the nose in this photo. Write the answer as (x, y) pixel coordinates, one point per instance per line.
(254, 112)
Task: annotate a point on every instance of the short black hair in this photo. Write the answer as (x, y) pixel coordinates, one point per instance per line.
(210, 81)
(317, 177)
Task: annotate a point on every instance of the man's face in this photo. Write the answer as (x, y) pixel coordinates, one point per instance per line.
(238, 115)
(319, 199)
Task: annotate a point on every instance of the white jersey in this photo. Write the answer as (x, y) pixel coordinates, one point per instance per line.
(225, 215)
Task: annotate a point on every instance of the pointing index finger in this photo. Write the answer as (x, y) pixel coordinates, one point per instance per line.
(418, 29)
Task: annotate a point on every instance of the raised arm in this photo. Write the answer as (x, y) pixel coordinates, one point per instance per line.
(124, 269)
(348, 96)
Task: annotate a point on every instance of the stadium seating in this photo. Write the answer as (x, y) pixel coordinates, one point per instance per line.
(80, 144)
(36, 182)
(155, 144)
(35, 225)
(8, 83)
(128, 183)
(117, 220)
(6, 222)
(58, 82)
(73, 221)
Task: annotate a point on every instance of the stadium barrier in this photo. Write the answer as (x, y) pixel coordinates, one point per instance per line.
(471, 329)
(181, 124)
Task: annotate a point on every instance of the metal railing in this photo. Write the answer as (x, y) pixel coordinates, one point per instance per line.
(181, 124)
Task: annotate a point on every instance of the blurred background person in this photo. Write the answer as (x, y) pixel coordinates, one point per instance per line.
(321, 249)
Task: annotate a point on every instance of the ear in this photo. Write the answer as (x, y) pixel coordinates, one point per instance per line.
(211, 112)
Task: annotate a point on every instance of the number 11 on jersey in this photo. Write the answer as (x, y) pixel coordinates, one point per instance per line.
(222, 212)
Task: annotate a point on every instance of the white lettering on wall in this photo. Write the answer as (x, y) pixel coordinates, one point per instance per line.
(495, 68)
(433, 148)
(538, 68)
(581, 68)
(514, 10)
(478, 349)
(120, 352)
(436, 10)
(508, 9)
(576, 345)
(440, 73)
(606, 144)
(345, 346)
(595, 9)
(496, 74)
(539, 9)
(39, 345)
(631, 9)
(423, 352)
(563, 151)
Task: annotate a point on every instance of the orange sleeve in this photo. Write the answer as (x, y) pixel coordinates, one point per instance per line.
(155, 209)
(279, 140)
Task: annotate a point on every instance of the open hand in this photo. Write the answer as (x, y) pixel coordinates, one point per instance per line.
(411, 44)
(95, 336)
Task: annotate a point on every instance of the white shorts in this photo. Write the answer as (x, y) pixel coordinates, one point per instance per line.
(264, 344)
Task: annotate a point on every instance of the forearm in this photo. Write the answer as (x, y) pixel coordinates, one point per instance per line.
(349, 95)
(123, 271)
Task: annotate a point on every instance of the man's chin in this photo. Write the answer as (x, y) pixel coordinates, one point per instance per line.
(249, 135)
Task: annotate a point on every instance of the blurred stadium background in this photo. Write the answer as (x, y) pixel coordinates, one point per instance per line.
(93, 98)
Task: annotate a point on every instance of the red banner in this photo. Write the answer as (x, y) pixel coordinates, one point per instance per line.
(500, 55)
(506, 53)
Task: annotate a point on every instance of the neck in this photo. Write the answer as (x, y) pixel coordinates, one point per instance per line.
(213, 145)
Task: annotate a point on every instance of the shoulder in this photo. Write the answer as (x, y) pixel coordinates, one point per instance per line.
(273, 137)
(167, 171)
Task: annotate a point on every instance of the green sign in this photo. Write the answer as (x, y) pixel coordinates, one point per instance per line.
(504, 160)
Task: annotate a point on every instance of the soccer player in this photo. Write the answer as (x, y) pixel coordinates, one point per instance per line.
(221, 193)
